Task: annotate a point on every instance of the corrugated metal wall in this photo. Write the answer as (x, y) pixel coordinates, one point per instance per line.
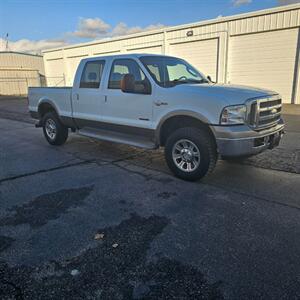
(18, 71)
(266, 42)
(22, 60)
(17, 81)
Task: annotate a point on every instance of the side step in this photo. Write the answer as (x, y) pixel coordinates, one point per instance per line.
(116, 137)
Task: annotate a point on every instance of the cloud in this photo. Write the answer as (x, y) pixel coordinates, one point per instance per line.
(241, 2)
(286, 2)
(31, 46)
(91, 28)
(123, 29)
(97, 28)
(87, 29)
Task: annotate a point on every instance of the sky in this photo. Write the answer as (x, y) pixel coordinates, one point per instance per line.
(34, 25)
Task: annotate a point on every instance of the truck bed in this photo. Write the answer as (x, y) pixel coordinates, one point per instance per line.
(58, 97)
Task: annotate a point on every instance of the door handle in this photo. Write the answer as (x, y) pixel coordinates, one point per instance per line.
(159, 103)
(77, 96)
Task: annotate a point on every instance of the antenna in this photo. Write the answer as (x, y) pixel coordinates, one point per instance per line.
(6, 43)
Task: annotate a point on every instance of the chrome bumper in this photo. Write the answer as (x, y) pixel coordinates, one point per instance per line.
(233, 141)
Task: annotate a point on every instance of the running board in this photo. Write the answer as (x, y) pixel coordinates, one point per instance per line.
(116, 137)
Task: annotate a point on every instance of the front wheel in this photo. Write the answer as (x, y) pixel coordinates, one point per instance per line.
(55, 132)
(190, 153)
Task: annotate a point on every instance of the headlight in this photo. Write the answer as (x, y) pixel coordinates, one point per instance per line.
(233, 115)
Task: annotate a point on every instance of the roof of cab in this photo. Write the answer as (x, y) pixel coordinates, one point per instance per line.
(129, 55)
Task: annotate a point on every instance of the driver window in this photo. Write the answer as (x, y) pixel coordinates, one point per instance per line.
(122, 67)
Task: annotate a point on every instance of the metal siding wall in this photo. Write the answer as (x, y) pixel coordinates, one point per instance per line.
(19, 60)
(223, 28)
(55, 75)
(72, 64)
(72, 56)
(18, 71)
(202, 54)
(146, 40)
(16, 82)
(296, 83)
(265, 60)
(265, 22)
(104, 48)
(150, 50)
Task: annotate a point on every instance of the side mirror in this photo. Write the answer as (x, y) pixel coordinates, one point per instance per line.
(147, 87)
(210, 80)
(127, 83)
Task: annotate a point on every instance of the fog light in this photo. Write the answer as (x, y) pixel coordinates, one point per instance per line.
(260, 142)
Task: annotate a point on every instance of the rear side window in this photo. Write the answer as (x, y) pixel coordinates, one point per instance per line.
(91, 75)
(122, 67)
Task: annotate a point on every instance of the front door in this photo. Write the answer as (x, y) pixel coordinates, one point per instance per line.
(87, 95)
(132, 109)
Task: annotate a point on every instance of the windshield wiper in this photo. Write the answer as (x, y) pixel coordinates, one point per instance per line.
(175, 81)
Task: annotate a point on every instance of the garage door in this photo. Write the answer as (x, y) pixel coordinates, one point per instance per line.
(73, 63)
(55, 72)
(201, 54)
(264, 60)
(149, 50)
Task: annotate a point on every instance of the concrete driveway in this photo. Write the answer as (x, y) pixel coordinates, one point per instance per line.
(96, 220)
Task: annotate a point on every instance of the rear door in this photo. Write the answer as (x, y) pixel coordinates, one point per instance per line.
(87, 94)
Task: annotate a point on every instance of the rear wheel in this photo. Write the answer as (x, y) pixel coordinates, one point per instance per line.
(55, 132)
(190, 153)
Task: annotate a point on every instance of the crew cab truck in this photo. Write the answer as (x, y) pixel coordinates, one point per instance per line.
(153, 101)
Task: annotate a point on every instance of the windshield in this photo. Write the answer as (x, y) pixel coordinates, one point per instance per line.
(171, 71)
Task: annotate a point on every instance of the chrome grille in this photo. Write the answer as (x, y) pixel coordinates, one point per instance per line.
(264, 112)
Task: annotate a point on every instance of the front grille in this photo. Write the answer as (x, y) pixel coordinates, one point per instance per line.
(264, 113)
(268, 103)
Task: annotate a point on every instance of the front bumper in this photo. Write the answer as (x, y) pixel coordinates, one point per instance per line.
(234, 141)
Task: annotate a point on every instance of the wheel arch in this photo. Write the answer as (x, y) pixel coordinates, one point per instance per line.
(180, 119)
(45, 106)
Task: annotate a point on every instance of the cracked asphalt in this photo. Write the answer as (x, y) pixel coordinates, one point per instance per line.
(233, 235)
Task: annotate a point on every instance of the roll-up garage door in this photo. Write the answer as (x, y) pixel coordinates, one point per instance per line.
(201, 54)
(73, 62)
(149, 50)
(55, 72)
(265, 60)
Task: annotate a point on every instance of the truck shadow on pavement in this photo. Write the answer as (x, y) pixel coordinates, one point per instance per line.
(116, 268)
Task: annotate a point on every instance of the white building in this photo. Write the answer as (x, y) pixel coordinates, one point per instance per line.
(18, 71)
(258, 49)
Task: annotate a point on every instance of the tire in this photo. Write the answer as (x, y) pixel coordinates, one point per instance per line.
(54, 131)
(190, 153)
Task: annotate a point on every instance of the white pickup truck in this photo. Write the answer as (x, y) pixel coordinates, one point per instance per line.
(153, 101)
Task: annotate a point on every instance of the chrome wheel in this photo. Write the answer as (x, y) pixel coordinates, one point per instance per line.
(50, 128)
(186, 155)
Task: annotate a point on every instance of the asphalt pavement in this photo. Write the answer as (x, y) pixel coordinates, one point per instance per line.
(97, 220)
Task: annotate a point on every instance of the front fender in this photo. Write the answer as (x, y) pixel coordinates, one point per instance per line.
(184, 113)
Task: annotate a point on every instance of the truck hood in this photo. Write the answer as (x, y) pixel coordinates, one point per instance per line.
(230, 94)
